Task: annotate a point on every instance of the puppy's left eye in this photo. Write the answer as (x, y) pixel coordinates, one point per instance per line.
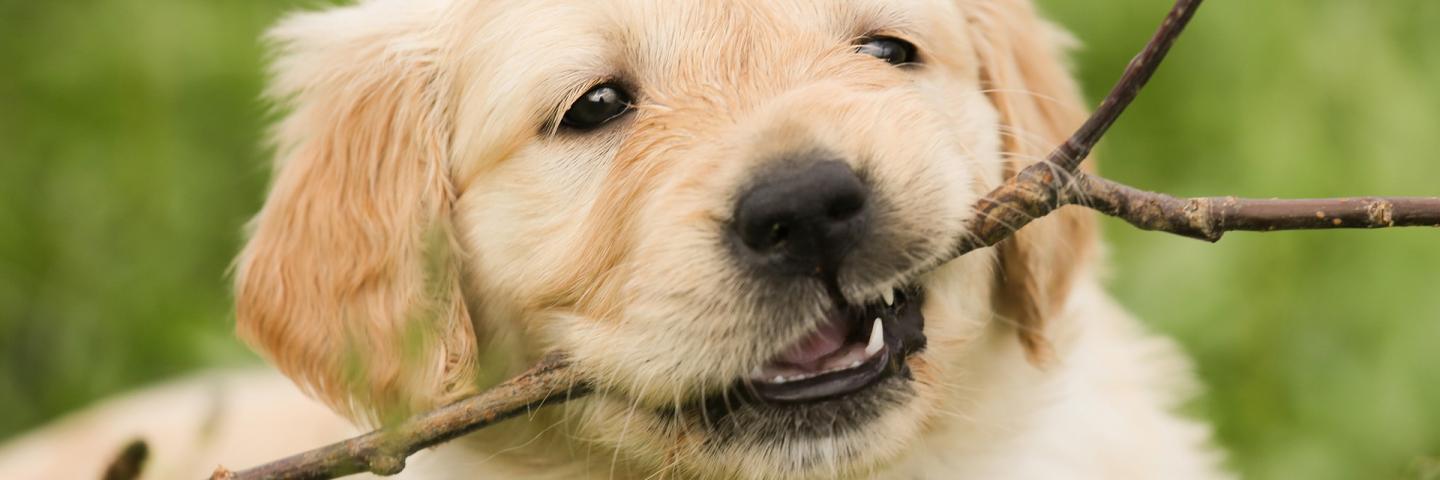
(890, 49)
(597, 107)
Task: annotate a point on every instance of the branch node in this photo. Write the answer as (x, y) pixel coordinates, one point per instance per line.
(1207, 226)
(222, 473)
(1381, 212)
(385, 464)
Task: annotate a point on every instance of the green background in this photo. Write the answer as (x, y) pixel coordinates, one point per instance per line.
(131, 155)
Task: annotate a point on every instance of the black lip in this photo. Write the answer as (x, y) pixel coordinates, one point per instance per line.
(904, 336)
(825, 386)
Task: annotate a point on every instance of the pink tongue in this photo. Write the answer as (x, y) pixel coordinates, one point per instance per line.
(827, 340)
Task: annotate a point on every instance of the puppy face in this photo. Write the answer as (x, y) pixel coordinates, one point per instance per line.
(730, 214)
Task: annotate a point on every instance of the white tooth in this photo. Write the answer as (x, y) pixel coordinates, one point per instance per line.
(855, 364)
(877, 339)
(779, 379)
(889, 297)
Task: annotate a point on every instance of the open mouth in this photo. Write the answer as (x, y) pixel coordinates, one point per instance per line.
(857, 346)
(841, 375)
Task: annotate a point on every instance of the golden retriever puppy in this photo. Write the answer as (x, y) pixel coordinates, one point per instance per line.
(732, 214)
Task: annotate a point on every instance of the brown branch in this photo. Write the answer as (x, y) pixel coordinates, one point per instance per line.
(1034, 192)
(1040, 189)
(383, 452)
(1209, 218)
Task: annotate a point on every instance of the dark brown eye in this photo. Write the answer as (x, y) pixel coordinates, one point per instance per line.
(890, 49)
(597, 107)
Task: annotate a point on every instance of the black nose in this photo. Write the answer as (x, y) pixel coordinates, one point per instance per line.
(802, 219)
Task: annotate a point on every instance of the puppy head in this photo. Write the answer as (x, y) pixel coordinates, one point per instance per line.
(730, 213)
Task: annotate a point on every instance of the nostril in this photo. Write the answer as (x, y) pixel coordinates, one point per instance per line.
(763, 231)
(846, 206)
(779, 231)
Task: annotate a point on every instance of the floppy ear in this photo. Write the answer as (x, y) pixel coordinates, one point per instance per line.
(345, 284)
(1026, 78)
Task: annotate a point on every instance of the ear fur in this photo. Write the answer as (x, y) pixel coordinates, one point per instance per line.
(1027, 80)
(344, 284)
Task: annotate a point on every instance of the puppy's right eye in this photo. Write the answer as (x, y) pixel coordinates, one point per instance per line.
(597, 107)
(890, 49)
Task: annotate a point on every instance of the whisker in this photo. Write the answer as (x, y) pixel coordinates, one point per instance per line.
(1039, 96)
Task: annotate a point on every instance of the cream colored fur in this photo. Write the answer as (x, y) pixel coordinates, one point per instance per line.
(431, 231)
(191, 426)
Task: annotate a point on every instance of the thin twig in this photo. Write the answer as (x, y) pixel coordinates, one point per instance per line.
(1209, 218)
(383, 452)
(1137, 74)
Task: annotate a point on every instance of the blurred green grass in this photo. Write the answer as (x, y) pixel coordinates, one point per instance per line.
(131, 155)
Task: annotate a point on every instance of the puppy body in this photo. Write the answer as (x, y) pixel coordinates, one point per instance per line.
(190, 426)
(437, 223)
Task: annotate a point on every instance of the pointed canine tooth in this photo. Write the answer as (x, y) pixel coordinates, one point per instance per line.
(779, 379)
(855, 364)
(889, 297)
(877, 339)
